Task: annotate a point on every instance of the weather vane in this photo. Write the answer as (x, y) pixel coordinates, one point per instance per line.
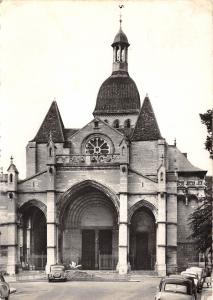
(121, 6)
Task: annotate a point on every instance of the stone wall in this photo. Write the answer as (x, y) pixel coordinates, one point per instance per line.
(186, 252)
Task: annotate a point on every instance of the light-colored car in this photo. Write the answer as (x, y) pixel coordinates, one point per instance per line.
(57, 273)
(5, 289)
(175, 288)
(194, 276)
(201, 275)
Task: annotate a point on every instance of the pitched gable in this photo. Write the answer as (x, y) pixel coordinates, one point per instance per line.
(52, 122)
(146, 128)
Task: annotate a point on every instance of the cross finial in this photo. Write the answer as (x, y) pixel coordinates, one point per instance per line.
(121, 6)
(11, 160)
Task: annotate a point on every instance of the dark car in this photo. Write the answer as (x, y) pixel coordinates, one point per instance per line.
(5, 289)
(175, 288)
(57, 273)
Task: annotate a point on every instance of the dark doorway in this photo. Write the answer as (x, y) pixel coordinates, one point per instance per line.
(142, 254)
(105, 242)
(88, 249)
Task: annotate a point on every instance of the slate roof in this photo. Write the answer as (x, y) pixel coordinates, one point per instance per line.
(52, 122)
(178, 160)
(146, 128)
(68, 132)
(118, 94)
(120, 38)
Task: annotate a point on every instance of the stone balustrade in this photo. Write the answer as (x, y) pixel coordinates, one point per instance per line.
(190, 183)
(76, 160)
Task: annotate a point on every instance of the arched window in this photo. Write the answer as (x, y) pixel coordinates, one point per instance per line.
(127, 123)
(116, 123)
(50, 152)
(161, 176)
(11, 178)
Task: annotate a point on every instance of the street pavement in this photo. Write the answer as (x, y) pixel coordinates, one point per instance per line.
(87, 290)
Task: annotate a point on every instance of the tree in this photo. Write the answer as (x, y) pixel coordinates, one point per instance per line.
(201, 224)
(200, 220)
(206, 119)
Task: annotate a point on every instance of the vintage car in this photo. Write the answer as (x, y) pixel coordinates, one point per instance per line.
(188, 276)
(5, 289)
(57, 273)
(194, 276)
(201, 275)
(175, 288)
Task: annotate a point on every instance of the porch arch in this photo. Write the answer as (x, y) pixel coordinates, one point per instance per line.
(71, 193)
(142, 217)
(88, 225)
(32, 237)
(142, 203)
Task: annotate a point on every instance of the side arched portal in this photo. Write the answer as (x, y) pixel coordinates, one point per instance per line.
(33, 235)
(142, 239)
(89, 226)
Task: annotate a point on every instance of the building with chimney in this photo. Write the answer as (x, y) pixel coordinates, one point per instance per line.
(113, 195)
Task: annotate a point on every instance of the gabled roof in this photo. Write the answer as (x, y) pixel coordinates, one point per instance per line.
(52, 122)
(146, 128)
(179, 161)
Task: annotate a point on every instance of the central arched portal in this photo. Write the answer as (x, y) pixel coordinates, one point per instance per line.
(143, 240)
(89, 231)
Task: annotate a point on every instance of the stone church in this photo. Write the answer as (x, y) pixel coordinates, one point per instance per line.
(113, 195)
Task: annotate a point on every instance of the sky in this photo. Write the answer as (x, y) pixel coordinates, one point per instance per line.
(61, 50)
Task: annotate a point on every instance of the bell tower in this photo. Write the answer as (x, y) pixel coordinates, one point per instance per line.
(120, 49)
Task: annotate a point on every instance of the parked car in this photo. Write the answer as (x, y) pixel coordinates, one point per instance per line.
(201, 275)
(175, 288)
(194, 276)
(188, 276)
(5, 289)
(57, 273)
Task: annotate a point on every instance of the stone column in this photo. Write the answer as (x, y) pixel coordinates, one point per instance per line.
(161, 235)
(12, 235)
(172, 223)
(51, 230)
(123, 222)
(28, 241)
(51, 206)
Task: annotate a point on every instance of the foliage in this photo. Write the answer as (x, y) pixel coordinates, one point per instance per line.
(201, 224)
(206, 119)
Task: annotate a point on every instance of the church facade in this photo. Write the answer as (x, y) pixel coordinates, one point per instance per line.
(113, 195)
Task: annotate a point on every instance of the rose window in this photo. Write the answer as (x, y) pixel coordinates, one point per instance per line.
(96, 146)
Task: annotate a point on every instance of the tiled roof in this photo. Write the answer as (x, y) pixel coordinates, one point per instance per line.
(179, 161)
(52, 122)
(146, 128)
(126, 131)
(118, 94)
(68, 132)
(120, 38)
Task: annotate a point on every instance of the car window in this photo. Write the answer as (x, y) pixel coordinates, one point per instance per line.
(176, 288)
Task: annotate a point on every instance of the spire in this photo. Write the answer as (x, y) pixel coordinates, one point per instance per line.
(120, 49)
(52, 126)
(146, 128)
(121, 6)
(12, 167)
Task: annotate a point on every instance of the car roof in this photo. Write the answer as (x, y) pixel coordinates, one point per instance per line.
(57, 265)
(176, 278)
